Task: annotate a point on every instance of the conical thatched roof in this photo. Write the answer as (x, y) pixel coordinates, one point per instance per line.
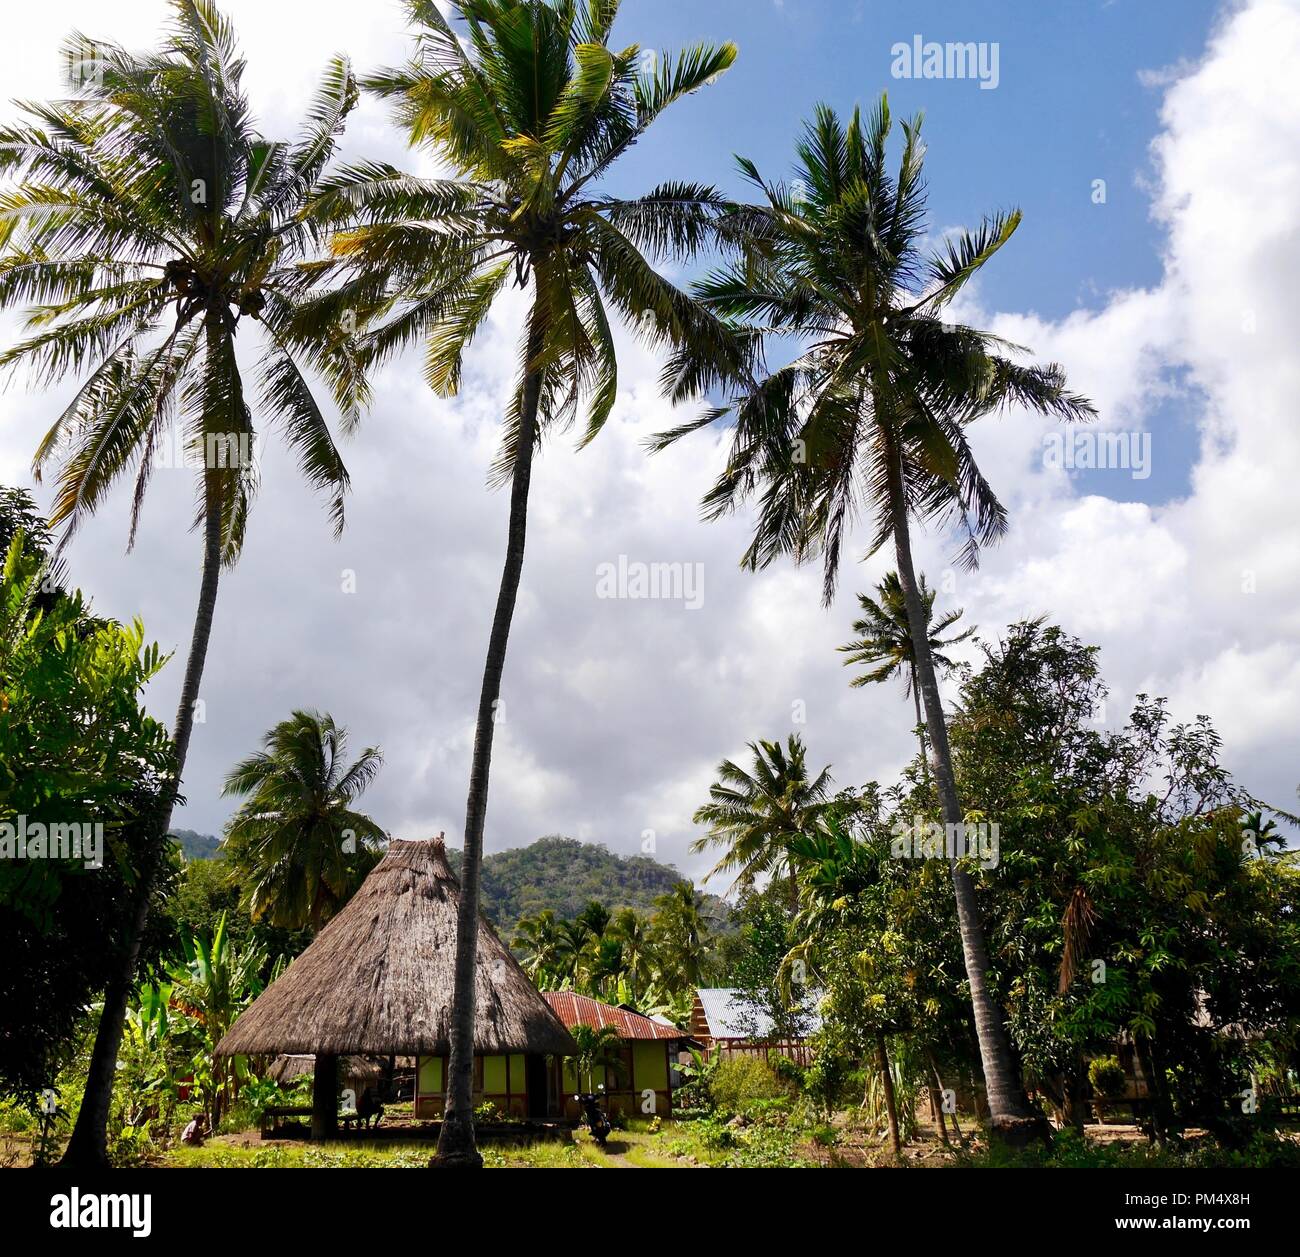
(378, 978)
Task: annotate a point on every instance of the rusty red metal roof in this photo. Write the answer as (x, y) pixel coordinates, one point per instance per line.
(582, 1010)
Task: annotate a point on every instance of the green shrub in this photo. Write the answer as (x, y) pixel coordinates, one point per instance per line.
(16, 1118)
(824, 1081)
(715, 1135)
(259, 1094)
(771, 1110)
(742, 1081)
(1071, 1151)
(1107, 1077)
(787, 1070)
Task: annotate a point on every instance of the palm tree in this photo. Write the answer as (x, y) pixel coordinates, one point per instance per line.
(146, 220)
(297, 847)
(871, 414)
(633, 932)
(679, 932)
(529, 112)
(594, 918)
(884, 642)
(538, 938)
(599, 1048)
(607, 966)
(571, 949)
(755, 814)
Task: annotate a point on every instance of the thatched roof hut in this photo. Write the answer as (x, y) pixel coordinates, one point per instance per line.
(377, 980)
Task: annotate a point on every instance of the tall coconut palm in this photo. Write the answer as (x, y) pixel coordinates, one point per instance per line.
(572, 951)
(148, 223)
(606, 967)
(538, 938)
(680, 932)
(872, 414)
(884, 642)
(297, 846)
(754, 814)
(633, 933)
(529, 106)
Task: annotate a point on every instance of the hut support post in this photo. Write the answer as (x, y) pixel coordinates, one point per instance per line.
(325, 1097)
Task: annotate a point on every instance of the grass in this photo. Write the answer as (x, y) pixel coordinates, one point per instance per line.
(706, 1143)
(643, 1145)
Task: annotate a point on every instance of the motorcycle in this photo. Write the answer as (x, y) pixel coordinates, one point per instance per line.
(594, 1116)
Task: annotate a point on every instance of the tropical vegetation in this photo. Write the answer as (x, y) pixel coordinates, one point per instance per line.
(1037, 925)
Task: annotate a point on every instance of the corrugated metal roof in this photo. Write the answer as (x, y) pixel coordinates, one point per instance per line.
(582, 1010)
(726, 1015)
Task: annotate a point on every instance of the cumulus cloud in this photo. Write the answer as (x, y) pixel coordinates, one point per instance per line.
(616, 711)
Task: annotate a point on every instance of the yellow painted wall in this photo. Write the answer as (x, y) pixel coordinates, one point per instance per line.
(494, 1075)
(650, 1066)
(431, 1075)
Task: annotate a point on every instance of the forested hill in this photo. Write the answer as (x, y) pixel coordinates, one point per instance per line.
(195, 846)
(564, 874)
(559, 873)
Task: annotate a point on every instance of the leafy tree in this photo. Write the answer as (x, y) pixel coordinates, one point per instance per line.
(76, 749)
(623, 958)
(594, 918)
(878, 938)
(754, 814)
(207, 890)
(145, 221)
(18, 515)
(873, 411)
(770, 1007)
(298, 846)
(606, 967)
(1132, 902)
(530, 112)
(572, 951)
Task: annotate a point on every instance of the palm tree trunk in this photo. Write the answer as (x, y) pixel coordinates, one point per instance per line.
(936, 1092)
(456, 1139)
(1010, 1116)
(920, 729)
(891, 1101)
(88, 1146)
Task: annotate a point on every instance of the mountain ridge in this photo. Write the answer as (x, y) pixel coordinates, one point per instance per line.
(555, 872)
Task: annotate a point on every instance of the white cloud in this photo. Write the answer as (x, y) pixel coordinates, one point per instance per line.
(617, 711)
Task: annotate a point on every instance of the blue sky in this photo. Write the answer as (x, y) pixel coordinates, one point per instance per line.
(1074, 103)
(1176, 319)
(1070, 107)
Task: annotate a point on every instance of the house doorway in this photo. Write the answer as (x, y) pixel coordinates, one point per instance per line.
(536, 1079)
